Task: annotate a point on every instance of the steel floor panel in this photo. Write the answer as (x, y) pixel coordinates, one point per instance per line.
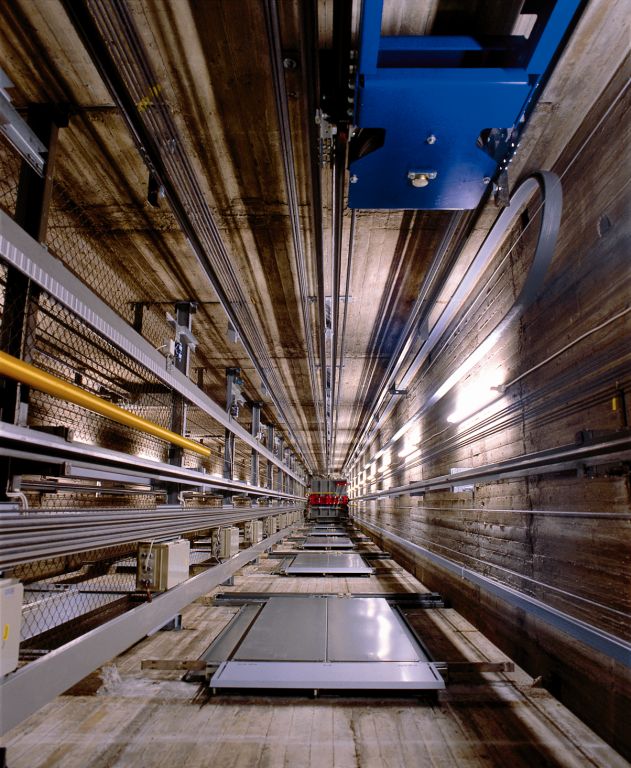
(367, 629)
(376, 675)
(326, 563)
(287, 631)
(327, 542)
(330, 643)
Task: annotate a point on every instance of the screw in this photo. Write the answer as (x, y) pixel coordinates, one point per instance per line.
(418, 179)
(431, 139)
(353, 179)
(486, 179)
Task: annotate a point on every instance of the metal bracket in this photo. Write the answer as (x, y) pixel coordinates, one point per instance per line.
(17, 131)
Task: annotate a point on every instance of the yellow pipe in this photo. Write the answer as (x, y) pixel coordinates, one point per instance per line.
(28, 374)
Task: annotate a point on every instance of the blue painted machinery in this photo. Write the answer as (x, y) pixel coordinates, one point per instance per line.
(437, 119)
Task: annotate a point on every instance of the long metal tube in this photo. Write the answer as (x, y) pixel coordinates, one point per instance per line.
(192, 214)
(28, 374)
(280, 94)
(337, 207)
(342, 16)
(542, 462)
(40, 536)
(349, 264)
(309, 16)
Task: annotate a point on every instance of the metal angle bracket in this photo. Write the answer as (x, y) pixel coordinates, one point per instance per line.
(438, 118)
(17, 131)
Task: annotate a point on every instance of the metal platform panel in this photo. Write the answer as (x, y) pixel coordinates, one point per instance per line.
(286, 631)
(394, 676)
(328, 563)
(328, 642)
(328, 533)
(327, 542)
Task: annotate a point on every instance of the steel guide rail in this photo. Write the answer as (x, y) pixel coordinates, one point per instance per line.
(109, 35)
(567, 457)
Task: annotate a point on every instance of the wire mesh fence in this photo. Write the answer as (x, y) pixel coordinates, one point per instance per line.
(45, 333)
(65, 596)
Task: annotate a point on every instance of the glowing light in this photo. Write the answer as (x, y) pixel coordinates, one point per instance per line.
(477, 395)
(412, 439)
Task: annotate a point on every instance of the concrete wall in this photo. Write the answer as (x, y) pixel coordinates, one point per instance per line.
(578, 561)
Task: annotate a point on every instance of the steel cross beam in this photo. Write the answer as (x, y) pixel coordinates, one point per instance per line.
(19, 250)
(255, 431)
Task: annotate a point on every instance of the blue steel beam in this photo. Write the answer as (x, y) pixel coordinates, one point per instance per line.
(450, 110)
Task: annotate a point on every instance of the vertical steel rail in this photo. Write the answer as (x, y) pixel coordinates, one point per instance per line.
(287, 151)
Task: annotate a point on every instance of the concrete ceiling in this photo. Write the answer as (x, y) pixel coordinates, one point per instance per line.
(211, 69)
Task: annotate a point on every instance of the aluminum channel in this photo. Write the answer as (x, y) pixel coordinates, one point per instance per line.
(327, 542)
(328, 563)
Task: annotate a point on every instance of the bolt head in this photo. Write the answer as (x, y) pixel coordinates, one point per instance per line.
(354, 179)
(419, 180)
(486, 179)
(431, 139)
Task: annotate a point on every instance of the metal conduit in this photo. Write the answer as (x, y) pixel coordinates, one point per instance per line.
(309, 26)
(26, 373)
(541, 462)
(123, 66)
(349, 264)
(287, 151)
(36, 536)
(337, 207)
(342, 22)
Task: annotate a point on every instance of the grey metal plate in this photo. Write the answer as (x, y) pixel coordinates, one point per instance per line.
(367, 629)
(328, 533)
(355, 676)
(287, 630)
(322, 542)
(344, 563)
(329, 529)
(224, 644)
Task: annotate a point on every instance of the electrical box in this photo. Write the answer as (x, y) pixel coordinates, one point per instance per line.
(11, 593)
(228, 542)
(163, 564)
(271, 525)
(282, 521)
(253, 531)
